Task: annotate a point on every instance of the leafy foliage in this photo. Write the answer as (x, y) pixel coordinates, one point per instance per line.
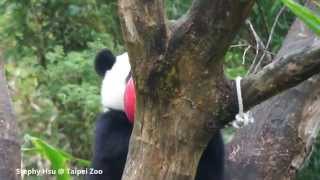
(38, 26)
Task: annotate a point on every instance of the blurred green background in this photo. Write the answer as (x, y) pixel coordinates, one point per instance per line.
(49, 47)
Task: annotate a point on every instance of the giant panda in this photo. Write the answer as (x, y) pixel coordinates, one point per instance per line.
(113, 127)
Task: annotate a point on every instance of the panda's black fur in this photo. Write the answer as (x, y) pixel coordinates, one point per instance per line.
(113, 131)
(104, 61)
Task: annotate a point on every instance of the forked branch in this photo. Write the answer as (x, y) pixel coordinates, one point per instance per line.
(209, 26)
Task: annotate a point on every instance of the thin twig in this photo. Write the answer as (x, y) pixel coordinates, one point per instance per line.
(269, 39)
(258, 44)
(246, 45)
(239, 45)
(245, 53)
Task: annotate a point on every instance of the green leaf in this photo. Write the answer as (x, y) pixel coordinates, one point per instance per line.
(306, 15)
(58, 158)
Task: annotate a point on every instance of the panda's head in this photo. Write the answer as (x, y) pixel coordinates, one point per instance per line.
(116, 73)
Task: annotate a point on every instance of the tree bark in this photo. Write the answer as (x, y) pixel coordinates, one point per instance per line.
(165, 59)
(277, 145)
(280, 141)
(10, 159)
(183, 97)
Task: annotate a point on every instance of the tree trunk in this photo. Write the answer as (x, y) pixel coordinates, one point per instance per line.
(9, 146)
(183, 98)
(161, 147)
(280, 141)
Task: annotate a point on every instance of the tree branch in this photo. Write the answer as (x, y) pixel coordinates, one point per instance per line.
(296, 61)
(291, 119)
(144, 28)
(285, 72)
(209, 25)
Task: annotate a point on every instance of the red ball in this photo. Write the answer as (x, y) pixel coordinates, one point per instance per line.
(130, 100)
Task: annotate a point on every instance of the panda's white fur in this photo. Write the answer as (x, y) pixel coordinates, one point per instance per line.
(114, 84)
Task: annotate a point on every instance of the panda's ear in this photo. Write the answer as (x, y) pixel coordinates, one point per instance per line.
(104, 61)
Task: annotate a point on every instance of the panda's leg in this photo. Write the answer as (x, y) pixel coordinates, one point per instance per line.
(111, 146)
(211, 165)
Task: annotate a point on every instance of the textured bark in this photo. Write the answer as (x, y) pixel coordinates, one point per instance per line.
(277, 145)
(165, 59)
(9, 146)
(178, 74)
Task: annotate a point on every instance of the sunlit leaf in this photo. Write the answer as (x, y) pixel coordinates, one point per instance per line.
(306, 15)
